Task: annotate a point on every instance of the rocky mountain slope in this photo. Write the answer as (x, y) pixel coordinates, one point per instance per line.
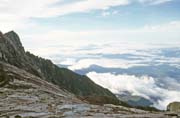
(12, 52)
(32, 87)
(24, 95)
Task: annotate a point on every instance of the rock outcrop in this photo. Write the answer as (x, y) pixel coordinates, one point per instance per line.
(174, 107)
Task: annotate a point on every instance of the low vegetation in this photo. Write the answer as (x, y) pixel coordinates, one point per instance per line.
(4, 79)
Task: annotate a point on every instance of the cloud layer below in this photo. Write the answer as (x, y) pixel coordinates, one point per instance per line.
(142, 86)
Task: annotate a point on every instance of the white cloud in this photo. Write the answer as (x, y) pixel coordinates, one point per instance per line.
(25, 9)
(159, 34)
(15, 14)
(86, 6)
(160, 2)
(119, 42)
(69, 61)
(154, 2)
(111, 63)
(142, 86)
(115, 12)
(106, 13)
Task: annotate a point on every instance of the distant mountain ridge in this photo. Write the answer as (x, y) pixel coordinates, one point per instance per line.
(12, 52)
(134, 100)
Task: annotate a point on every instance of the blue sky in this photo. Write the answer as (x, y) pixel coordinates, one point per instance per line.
(129, 16)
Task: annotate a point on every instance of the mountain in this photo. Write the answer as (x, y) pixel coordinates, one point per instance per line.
(134, 100)
(12, 52)
(32, 87)
(156, 71)
(24, 95)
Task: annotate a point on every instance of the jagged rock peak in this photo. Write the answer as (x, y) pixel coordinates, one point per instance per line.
(13, 36)
(12, 32)
(1, 34)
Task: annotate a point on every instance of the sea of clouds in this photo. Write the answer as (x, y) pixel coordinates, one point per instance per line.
(141, 86)
(148, 70)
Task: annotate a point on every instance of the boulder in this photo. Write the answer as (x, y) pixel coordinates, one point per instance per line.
(174, 107)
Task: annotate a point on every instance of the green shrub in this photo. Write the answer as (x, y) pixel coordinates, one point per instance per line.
(17, 116)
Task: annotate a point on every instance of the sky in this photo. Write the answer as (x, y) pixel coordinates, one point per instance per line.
(85, 22)
(120, 34)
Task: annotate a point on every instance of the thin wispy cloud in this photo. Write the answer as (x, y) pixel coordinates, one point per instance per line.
(161, 34)
(154, 2)
(17, 14)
